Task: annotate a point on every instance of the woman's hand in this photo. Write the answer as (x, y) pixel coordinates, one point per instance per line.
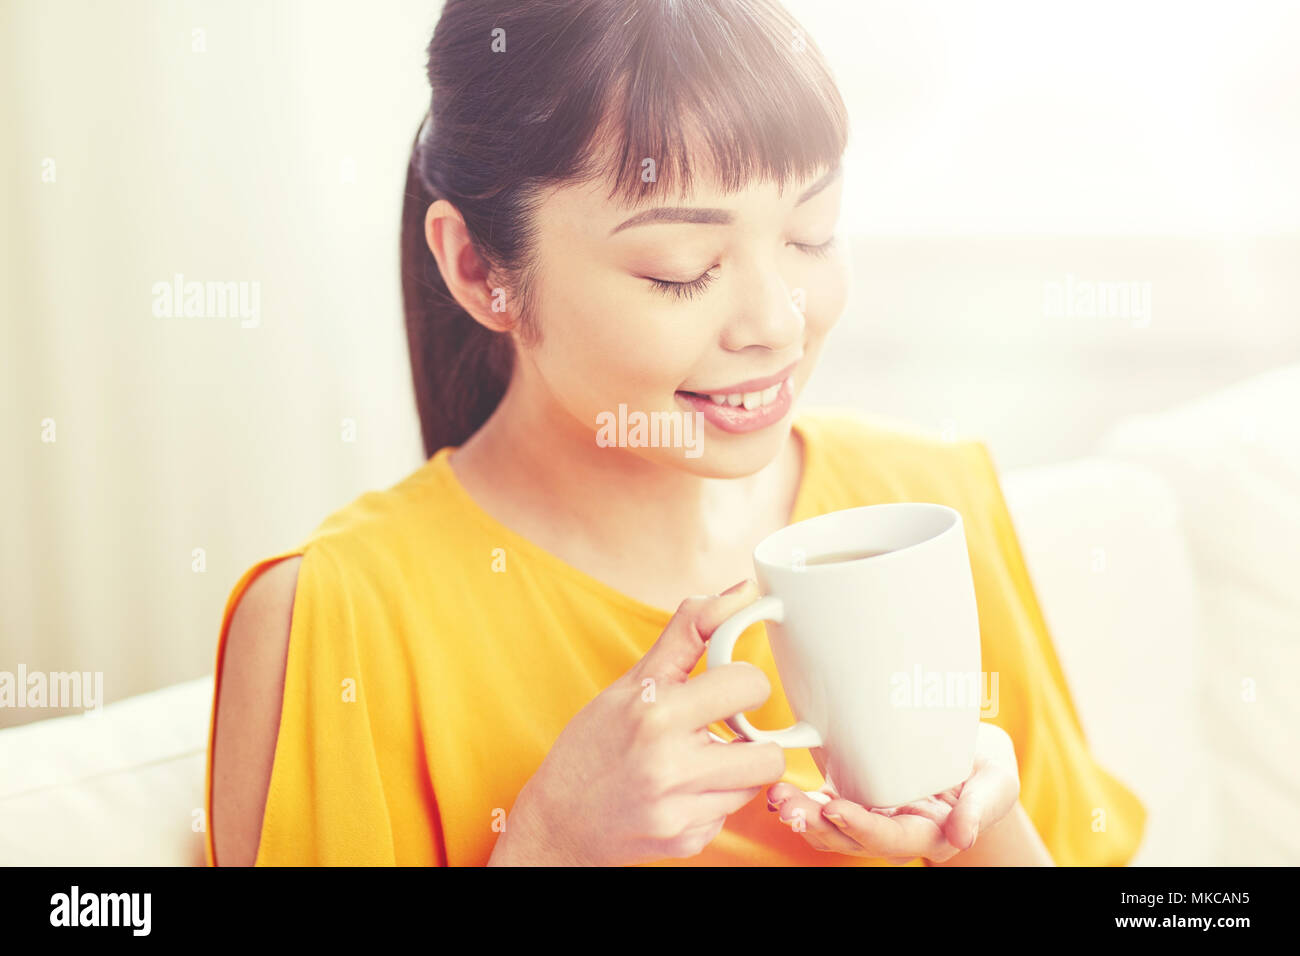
(936, 828)
(636, 776)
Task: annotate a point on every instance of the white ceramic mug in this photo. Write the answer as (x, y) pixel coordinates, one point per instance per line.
(850, 638)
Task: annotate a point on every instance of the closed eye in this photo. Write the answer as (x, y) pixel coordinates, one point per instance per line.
(683, 290)
(686, 290)
(821, 249)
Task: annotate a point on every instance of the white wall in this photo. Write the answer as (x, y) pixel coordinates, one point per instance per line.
(1106, 118)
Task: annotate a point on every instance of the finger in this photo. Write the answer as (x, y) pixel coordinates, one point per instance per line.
(709, 831)
(933, 809)
(707, 806)
(782, 790)
(995, 744)
(729, 766)
(674, 655)
(902, 835)
(719, 732)
(718, 693)
(986, 797)
(803, 814)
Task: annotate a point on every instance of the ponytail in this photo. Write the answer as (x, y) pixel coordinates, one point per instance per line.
(460, 368)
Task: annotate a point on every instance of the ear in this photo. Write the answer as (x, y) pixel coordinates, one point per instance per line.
(467, 275)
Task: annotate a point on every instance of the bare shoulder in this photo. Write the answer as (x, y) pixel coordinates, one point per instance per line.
(248, 711)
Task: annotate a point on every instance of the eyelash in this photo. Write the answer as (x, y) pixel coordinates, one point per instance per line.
(683, 290)
(686, 290)
(819, 251)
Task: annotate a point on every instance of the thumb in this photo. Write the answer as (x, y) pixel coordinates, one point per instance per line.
(682, 643)
(991, 792)
(983, 801)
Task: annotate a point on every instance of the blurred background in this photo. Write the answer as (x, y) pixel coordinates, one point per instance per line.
(999, 151)
(1063, 217)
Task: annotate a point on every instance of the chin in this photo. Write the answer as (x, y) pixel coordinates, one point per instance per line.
(730, 455)
(702, 443)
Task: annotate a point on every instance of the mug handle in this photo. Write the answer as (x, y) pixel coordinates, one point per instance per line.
(723, 642)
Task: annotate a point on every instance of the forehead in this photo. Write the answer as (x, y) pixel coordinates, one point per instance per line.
(616, 184)
(592, 205)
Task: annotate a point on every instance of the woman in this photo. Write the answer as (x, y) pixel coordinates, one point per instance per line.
(615, 208)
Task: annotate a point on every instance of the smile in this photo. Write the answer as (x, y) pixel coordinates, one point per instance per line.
(750, 400)
(740, 412)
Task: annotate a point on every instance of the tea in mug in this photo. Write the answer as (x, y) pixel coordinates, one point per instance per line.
(835, 557)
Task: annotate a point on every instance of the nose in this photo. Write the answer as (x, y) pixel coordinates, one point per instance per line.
(767, 312)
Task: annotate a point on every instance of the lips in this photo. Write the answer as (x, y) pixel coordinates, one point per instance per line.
(753, 412)
(748, 400)
(749, 386)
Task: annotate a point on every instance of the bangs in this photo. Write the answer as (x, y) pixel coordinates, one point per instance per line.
(737, 81)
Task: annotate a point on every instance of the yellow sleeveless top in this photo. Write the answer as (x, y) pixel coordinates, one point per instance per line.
(424, 687)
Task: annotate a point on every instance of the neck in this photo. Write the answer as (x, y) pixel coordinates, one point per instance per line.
(537, 469)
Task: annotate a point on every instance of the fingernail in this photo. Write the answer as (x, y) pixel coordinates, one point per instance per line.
(835, 818)
(974, 833)
(734, 588)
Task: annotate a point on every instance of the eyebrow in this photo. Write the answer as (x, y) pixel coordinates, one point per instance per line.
(713, 217)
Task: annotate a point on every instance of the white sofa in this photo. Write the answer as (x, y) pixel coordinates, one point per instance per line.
(1166, 566)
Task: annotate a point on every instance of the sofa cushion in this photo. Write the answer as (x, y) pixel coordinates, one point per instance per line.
(122, 786)
(1233, 460)
(1106, 555)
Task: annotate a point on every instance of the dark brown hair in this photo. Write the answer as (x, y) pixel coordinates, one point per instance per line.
(527, 93)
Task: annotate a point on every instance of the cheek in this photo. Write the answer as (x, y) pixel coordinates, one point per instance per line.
(606, 342)
(827, 293)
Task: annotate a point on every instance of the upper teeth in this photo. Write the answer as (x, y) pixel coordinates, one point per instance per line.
(750, 400)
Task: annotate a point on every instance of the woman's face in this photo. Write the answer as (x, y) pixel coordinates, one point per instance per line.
(707, 307)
